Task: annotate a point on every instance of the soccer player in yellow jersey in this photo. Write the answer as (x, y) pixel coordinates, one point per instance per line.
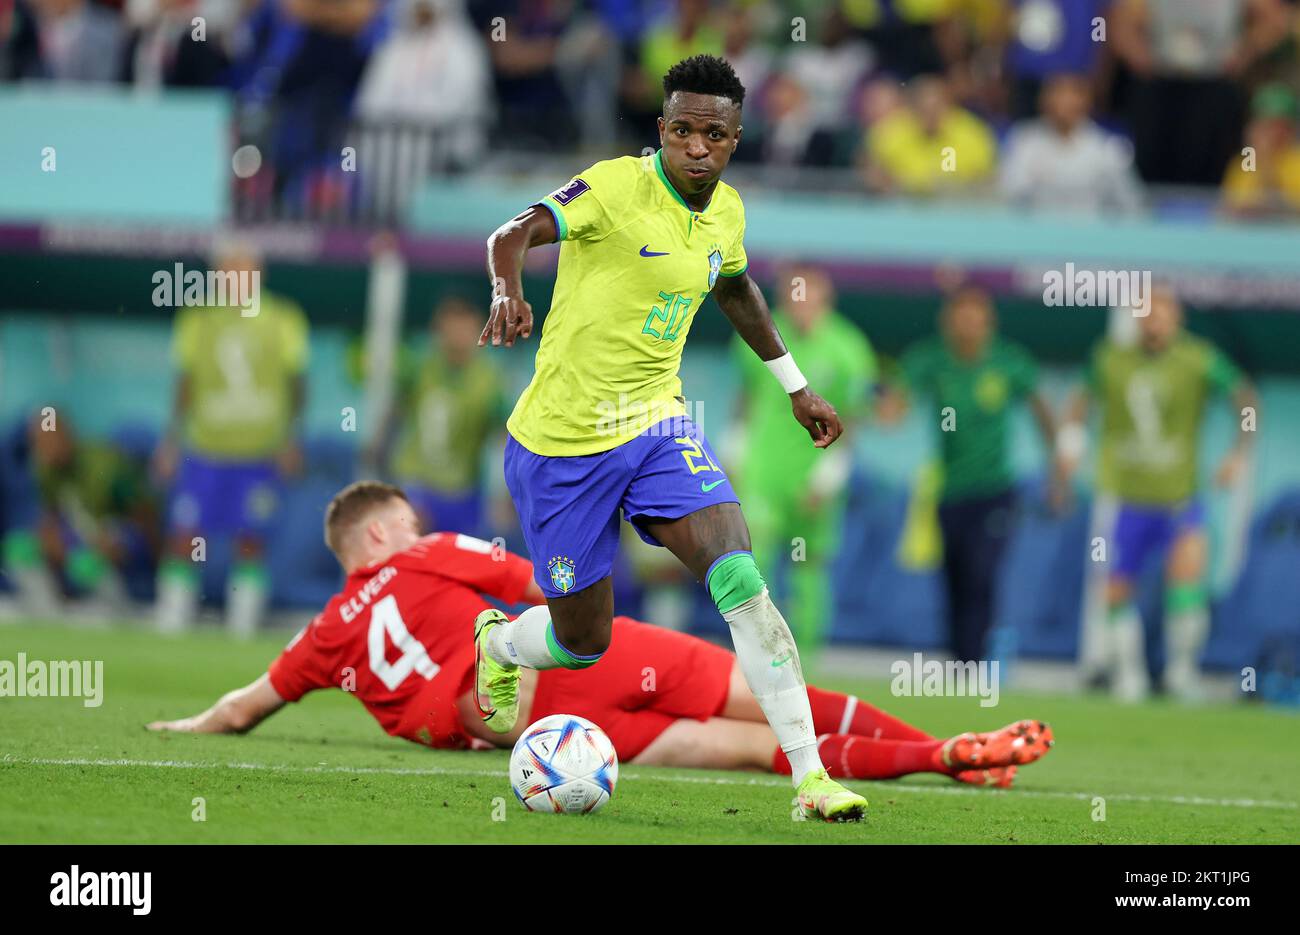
(602, 427)
(240, 393)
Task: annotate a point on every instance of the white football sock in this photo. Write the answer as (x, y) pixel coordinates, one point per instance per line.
(1128, 655)
(38, 592)
(177, 603)
(522, 641)
(1185, 634)
(770, 662)
(245, 604)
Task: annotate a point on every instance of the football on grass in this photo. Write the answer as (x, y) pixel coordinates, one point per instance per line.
(563, 763)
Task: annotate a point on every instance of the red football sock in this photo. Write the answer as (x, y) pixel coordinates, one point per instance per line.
(850, 757)
(835, 713)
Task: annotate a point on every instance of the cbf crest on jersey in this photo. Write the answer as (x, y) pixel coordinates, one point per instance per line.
(715, 265)
(561, 573)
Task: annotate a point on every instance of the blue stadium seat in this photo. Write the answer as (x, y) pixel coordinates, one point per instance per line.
(876, 600)
(17, 491)
(1258, 623)
(1041, 587)
(329, 458)
(304, 573)
(135, 440)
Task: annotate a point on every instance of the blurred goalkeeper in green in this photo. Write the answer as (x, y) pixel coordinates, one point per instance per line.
(794, 494)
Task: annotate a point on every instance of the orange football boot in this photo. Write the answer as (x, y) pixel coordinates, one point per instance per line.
(1015, 745)
(999, 777)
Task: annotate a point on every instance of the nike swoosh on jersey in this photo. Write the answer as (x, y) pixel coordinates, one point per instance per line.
(646, 251)
(707, 487)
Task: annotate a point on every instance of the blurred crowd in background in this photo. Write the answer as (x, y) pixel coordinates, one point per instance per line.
(1070, 104)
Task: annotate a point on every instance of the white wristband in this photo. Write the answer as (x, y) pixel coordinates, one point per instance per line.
(787, 373)
(1071, 441)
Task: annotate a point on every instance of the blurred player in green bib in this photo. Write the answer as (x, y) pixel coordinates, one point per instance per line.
(1152, 397)
(973, 381)
(794, 493)
(239, 396)
(93, 515)
(451, 404)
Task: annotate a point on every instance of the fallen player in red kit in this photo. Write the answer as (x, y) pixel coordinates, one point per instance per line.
(399, 637)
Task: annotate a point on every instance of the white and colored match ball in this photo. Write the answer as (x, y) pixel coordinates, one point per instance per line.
(563, 763)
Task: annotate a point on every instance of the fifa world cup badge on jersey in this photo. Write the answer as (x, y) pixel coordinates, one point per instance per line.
(561, 573)
(571, 191)
(715, 266)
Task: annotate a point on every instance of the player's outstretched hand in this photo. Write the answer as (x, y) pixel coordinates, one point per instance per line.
(511, 317)
(817, 416)
(185, 725)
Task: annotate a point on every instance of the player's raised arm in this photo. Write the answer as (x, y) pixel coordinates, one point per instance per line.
(237, 712)
(511, 316)
(742, 302)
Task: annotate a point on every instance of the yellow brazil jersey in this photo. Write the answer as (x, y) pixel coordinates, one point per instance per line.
(636, 264)
(241, 373)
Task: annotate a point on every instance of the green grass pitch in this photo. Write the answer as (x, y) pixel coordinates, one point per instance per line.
(323, 771)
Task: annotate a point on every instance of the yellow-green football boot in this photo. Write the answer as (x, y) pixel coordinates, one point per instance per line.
(496, 687)
(819, 796)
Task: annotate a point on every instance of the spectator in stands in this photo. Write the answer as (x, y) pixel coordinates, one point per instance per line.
(880, 98)
(1065, 162)
(830, 70)
(1050, 37)
(790, 134)
(19, 51)
(929, 146)
(973, 381)
(451, 405)
(590, 64)
(795, 491)
(68, 40)
(1186, 109)
(1265, 180)
(523, 38)
(166, 48)
(903, 33)
(752, 61)
(971, 40)
(94, 516)
(690, 29)
(426, 99)
(240, 391)
(303, 64)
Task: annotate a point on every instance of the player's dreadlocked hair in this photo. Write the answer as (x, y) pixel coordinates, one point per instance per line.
(704, 74)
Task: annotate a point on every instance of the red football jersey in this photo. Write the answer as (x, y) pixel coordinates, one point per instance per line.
(400, 636)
